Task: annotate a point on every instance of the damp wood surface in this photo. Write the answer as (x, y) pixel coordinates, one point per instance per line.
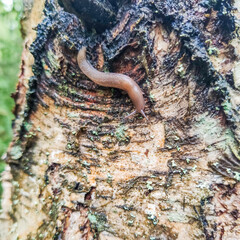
(78, 169)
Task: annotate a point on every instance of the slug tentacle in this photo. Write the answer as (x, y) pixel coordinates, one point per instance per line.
(115, 80)
(132, 113)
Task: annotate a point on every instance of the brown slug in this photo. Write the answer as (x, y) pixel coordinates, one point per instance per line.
(115, 80)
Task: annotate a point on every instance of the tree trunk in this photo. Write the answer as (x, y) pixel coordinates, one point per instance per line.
(78, 169)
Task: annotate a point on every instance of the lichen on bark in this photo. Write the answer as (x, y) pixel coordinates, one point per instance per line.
(81, 171)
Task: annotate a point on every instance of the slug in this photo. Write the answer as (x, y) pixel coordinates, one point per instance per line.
(115, 80)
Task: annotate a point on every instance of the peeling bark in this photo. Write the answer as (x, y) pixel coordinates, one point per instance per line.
(77, 169)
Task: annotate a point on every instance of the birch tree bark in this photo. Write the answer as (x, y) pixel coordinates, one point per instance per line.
(78, 169)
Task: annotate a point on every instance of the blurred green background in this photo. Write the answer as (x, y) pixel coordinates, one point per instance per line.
(10, 54)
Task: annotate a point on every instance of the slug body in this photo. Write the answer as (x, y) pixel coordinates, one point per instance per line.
(115, 80)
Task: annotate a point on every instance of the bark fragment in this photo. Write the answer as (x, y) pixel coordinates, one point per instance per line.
(92, 173)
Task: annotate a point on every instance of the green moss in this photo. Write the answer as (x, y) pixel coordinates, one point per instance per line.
(213, 51)
(237, 176)
(152, 97)
(181, 71)
(153, 238)
(121, 134)
(54, 211)
(95, 133)
(149, 185)
(53, 61)
(16, 152)
(194, 168)
(109, 178)
(98, 221)
(227, 106)
(27, 126)
(153, 218)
